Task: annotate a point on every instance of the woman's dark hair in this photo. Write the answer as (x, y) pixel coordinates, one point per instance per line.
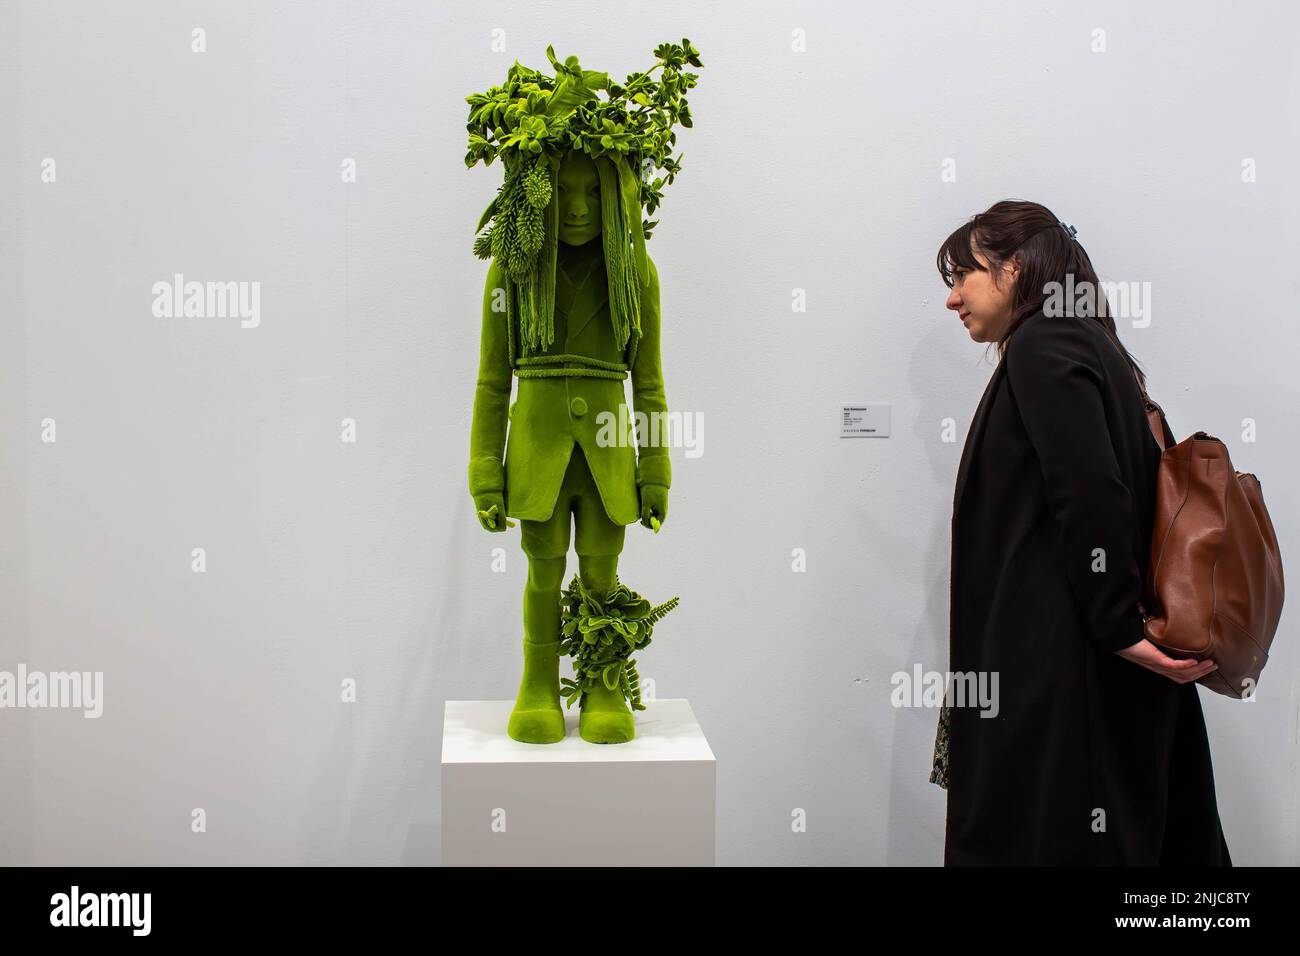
(1047, 252)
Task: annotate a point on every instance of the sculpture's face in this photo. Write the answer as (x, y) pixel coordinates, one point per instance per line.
(579, 200)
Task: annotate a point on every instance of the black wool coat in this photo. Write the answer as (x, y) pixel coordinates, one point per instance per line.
(1090, 759)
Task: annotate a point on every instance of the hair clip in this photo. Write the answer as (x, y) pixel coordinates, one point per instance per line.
(1070, 229)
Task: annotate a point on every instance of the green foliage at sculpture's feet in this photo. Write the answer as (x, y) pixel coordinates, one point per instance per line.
(600, 629)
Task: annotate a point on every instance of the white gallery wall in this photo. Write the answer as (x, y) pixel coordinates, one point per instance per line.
(835, 146)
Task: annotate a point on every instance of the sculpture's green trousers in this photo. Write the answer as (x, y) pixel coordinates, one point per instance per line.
(598, 541)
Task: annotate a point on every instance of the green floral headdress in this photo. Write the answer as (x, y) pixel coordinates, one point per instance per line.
(531, 123)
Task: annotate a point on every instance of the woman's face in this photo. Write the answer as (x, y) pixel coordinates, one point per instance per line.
(579, 199)
(982, 297)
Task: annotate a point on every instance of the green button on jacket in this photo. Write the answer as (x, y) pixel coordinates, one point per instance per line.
(553, 411)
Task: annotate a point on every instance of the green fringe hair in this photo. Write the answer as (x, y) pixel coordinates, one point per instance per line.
(530, 303)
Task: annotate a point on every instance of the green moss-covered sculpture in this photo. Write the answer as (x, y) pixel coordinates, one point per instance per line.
(571, 308)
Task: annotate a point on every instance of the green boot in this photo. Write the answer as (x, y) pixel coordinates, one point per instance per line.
(605, 717)
(537, 717)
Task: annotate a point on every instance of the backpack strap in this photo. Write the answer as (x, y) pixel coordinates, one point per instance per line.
(1156, 419)
(1155, 414)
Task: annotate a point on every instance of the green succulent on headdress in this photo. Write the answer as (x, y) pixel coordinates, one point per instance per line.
(601, 632)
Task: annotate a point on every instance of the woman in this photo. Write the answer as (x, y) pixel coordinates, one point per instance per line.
(1097, 753)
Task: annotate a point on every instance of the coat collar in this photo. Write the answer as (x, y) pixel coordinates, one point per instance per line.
(975, 434)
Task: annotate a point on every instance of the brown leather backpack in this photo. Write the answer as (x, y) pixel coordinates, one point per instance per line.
(1215, 580)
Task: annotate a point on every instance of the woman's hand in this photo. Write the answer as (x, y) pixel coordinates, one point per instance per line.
(1147, 655)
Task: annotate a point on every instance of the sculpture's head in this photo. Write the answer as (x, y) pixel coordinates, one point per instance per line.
(579, 198)
(584, 156)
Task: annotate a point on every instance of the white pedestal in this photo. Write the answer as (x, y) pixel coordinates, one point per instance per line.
(648, 802)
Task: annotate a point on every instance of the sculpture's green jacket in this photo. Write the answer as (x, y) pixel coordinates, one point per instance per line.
(555, 408)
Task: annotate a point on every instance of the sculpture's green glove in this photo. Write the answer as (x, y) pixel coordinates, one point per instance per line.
(654, 506)
(492, 511)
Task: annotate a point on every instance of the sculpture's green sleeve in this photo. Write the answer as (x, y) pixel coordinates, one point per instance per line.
(492, 393)
(652, 467)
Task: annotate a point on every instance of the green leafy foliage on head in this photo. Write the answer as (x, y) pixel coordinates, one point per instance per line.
(533, 119)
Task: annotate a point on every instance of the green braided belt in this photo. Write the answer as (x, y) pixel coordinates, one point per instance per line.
(572, 366)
